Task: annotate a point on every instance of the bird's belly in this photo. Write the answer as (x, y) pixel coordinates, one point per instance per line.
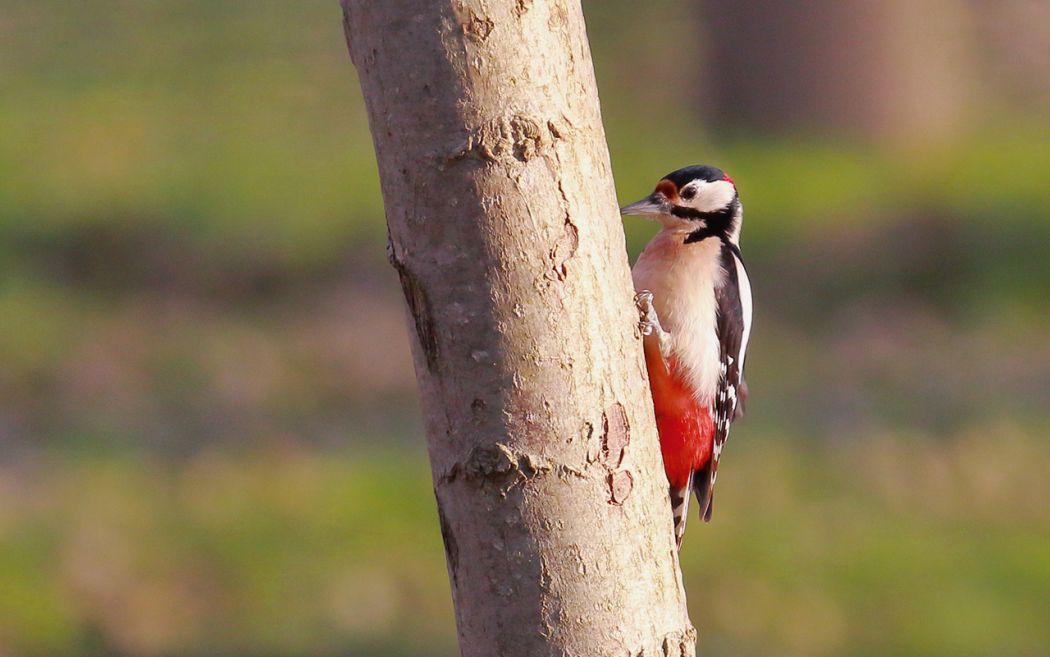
(684, 423)
(684, 296)
(696, 349)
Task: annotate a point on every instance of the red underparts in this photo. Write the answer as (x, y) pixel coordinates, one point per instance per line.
(686, 428)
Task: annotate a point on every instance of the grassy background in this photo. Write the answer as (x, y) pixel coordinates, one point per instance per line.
(210, 437)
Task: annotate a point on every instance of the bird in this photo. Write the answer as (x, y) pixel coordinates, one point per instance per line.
(695, 308)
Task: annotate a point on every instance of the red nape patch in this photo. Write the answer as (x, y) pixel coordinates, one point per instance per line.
(686, 428)
(725, 177)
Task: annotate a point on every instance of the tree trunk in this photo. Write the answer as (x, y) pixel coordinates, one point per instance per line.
(504, 230)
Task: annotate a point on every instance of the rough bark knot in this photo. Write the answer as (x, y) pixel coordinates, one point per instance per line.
(478, 27)
(496, 463)
(507, 138)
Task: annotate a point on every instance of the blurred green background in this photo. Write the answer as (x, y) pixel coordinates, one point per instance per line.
(210, 437)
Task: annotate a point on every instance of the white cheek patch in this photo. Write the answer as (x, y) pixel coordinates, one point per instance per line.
(711, 196)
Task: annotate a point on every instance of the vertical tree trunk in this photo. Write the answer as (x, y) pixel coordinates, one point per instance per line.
(504, 230)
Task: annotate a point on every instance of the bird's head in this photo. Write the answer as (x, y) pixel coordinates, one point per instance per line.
(699, 199)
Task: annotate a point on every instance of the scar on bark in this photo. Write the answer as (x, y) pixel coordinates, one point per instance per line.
(451, 546)
(678, 644)
(419, 306)
(616, 436)
(621, 483)
(564, 249)
(559, 17)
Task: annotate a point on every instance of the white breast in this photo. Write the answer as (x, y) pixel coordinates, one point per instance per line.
(683, 282)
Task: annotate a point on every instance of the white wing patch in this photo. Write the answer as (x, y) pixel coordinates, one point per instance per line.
(734, 328)
(744, 283)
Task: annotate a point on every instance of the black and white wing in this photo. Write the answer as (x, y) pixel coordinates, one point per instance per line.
(733, 301)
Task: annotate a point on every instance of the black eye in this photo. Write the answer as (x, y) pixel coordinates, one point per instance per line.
(688, 193)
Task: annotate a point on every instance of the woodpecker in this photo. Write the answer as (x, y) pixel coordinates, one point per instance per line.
(694, 300)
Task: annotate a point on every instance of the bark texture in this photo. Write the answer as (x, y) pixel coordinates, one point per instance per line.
(504, 230)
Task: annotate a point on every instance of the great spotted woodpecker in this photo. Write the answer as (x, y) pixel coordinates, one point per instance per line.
(695, 303)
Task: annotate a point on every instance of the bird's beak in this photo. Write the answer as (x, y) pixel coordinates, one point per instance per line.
(650, 205)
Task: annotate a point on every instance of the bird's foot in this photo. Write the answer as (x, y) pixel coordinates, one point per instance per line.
(649, 324)
(647, 318)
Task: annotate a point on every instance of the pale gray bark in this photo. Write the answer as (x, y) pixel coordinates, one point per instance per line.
(505, 233)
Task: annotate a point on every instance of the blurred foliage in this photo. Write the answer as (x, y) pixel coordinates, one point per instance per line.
(895, 545)
(197, 320)
(276, 553)
(149, 119)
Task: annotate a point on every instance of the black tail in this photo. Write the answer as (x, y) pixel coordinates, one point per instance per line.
(704, 487)
(680, 512)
